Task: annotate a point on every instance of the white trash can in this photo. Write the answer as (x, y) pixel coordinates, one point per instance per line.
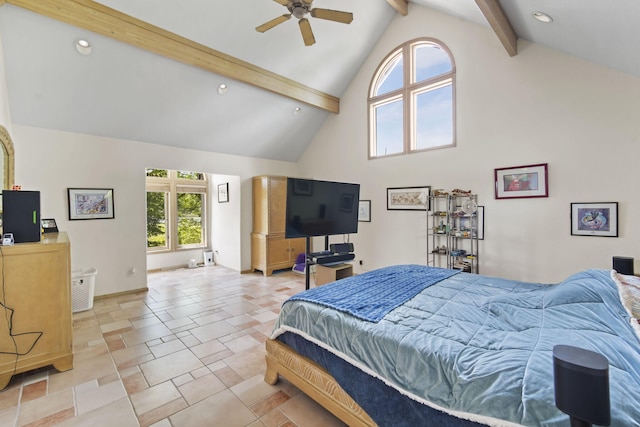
(83, 286)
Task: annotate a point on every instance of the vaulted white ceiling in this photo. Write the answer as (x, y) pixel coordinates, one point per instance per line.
(124, 91)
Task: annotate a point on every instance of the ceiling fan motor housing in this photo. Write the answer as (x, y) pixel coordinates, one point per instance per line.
(298, 9)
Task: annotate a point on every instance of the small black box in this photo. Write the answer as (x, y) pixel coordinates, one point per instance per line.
(21, 215)
(623, 265)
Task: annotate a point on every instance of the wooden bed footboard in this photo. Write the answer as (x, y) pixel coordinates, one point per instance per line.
(315, 382)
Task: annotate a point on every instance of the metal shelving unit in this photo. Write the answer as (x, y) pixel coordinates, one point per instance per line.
(452, 231)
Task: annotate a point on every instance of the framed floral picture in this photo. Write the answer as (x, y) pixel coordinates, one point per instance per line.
(408, 198)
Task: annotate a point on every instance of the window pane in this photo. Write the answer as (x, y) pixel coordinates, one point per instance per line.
(190, 175)
(156, 219)
(430, 61)
(390, 78)
(434, 118)
(160, 173)
(388, 129)
(190, 219)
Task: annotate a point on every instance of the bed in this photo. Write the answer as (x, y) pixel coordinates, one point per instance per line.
(415, 345)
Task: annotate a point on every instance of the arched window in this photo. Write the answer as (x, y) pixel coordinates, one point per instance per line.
(412, 100)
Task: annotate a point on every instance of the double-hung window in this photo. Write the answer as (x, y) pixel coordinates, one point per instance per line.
(412, 100)
(176, 210)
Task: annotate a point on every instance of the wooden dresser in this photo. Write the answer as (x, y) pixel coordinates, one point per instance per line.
(35, 311)
(269, 249)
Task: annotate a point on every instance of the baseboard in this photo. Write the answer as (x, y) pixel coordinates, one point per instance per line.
(133, 291)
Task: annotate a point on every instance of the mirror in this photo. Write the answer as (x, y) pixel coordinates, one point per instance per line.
(7, 162)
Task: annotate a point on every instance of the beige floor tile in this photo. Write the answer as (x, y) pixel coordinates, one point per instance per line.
(119, 413)
(154, 397)
(89, 400)
(304, 412)
(167, 348)
(145, 334)
(212, 331)
(222, 409)
(201, 388)
(45, 406)
(170, 366)
(254, 389)
(83, 371)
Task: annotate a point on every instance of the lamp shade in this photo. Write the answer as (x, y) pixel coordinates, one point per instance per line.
(581, 379)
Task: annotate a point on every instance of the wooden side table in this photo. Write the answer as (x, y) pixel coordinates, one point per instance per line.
(330, 273)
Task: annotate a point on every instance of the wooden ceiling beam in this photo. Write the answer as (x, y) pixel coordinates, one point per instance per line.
(497, 19)
(103, 20)
(401, 6)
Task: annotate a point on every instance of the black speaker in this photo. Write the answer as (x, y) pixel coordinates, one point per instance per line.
(21, 215)
(581, 380)
(341, 248)
(623, 265)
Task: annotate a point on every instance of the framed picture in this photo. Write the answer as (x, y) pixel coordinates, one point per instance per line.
(223, 192)
(594, 219)
(364, 211)
(521, 182)
(49, 225)
(408, 198)
(90, 203)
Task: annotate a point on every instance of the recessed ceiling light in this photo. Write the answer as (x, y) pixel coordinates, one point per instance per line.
(542, 17)
(222, 89)
(83, 47)
(297, 111)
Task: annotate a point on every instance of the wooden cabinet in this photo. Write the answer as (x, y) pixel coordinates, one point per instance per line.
(269, 249)
(35, 311)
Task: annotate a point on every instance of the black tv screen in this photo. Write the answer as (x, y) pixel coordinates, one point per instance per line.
(321, 208)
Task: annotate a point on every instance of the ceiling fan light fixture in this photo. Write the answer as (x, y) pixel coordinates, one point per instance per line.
(299, 11)
(222, 89)
(297, 111)
(542, 17)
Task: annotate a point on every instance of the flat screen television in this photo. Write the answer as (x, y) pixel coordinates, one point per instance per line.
(321, 208)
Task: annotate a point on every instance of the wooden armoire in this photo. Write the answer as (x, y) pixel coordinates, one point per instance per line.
(269, 249)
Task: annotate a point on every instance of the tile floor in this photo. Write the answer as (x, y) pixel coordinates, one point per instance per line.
(189, 352)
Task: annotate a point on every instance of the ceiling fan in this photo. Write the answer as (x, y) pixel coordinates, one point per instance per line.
(299, 9)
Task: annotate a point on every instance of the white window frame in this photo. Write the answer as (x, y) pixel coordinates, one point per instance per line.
(172, 185)
(407, 93)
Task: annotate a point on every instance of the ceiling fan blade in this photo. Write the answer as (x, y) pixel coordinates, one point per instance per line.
(307, 34)
(332, 15)
(269, 25)
(282, 2)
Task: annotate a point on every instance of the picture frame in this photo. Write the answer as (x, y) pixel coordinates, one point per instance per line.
(364, 211)
(49, 225)
(90, 203)
(521, 182)
(594, 219)
(223, 193)
(409, 198)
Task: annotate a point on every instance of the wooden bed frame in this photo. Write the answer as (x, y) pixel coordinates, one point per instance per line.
(315, 382)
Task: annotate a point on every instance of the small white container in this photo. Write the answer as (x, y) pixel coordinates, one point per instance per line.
(83, 286)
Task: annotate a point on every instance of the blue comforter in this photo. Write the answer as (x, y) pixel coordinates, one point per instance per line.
(480, 348)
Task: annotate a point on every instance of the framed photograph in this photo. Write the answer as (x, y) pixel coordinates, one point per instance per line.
(408, 198)
(521, 182)
(594, 219)
(90, 203)
(223, 192)
(364, 211)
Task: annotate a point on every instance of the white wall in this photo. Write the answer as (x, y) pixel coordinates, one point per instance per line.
(538, 107)
(51, 161)
(5, 117)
